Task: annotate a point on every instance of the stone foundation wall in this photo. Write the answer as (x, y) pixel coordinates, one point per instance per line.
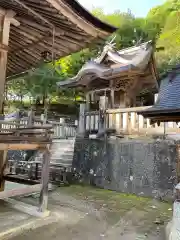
(142, 167)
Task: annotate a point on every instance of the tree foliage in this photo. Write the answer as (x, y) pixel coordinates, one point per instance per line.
(162, 25)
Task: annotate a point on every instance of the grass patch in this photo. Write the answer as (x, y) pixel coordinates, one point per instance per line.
(116, 205)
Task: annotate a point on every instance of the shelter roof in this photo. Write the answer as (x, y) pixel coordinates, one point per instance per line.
(72, 26)
(167, 106)
(122, 64)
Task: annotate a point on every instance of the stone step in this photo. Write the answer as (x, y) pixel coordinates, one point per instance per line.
(62, 148)
(62, 159)
(69, 163)
(63, 141)
(62, 153)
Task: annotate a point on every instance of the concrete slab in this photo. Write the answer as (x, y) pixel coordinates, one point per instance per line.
(11, 218)
(26, 208)
(16, 216)
(13, 222)
(12, 185)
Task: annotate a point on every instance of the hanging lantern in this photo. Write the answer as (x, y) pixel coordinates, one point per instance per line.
(45, 56)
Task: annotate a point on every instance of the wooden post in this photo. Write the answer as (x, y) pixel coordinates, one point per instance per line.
(87, 102)
(112, 98)
(125, 122)
(133, 120)
(122, 103)
(62, 128)
(44, 181)
(155, 97)
(30, 118)
(82, 120)
(102, 116)
(43, 119)
(6, 19)
(141, 122)
(118, 123)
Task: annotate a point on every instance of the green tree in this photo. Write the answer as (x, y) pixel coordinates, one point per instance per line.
(169, 39)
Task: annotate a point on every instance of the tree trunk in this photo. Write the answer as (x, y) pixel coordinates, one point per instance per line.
(44, 100)
(21, 99)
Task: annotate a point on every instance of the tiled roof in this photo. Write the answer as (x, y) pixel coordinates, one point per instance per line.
(169, 94)
(134, 60)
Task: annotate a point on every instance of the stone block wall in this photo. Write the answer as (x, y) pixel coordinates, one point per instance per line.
(142, 167)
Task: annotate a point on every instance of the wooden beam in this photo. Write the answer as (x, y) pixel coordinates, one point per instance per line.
(123, 110)
(164, 118)
(34, 13)
(9, 14)
(15, 139)
(21, 146)
(20, 191)
(73, 17)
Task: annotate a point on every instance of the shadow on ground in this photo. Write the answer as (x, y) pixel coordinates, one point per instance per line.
(94, 214)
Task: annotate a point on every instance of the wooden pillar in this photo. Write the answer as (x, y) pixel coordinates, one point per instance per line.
(82, 120)
(122, 99)
(6, 19)
(112, 85)
(44, 181)
(43, 119)
(102, 114)
(112, 98)
(88, 101)
(62, 133)
(30, 118)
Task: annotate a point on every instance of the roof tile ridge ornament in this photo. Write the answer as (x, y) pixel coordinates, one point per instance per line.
(109, 46)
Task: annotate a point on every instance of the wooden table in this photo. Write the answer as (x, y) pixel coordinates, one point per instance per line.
(27, 138)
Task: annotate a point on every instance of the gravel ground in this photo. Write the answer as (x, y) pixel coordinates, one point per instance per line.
(95, 214)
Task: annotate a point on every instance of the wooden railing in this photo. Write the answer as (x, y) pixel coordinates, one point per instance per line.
(60, 129)
(128, 121)
(63, 130)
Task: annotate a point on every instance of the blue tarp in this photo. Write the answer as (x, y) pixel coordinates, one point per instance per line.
(12, 115)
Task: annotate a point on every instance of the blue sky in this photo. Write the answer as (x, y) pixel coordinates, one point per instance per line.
(138, 7)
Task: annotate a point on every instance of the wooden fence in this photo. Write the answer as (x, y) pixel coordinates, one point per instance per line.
(60, 129)
(124, 120)
(128, 121)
